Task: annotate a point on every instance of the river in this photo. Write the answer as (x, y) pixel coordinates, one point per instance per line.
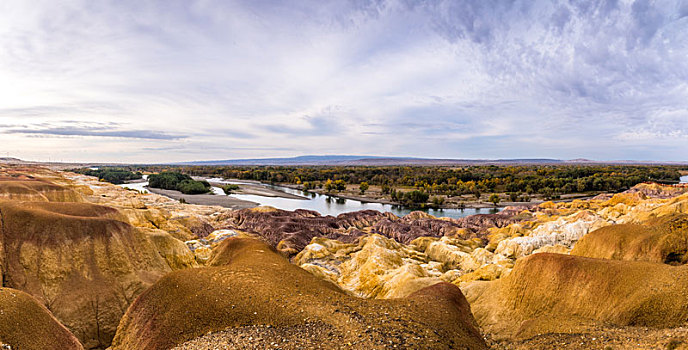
(330, 205)
(323, 204)
(684, 179)
(139, 186)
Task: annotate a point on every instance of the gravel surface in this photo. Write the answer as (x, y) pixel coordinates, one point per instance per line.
(604, 338)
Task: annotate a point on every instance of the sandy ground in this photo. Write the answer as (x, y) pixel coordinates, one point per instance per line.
(206, 199)
(604, 338)
(259, 190)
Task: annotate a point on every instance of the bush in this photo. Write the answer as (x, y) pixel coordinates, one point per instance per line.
(229, 188)
(193, 187)
(112, 175)
(494, 199)
(437, 201)
(339, 185)
(167, 180)
(415, 198)
(178, 181)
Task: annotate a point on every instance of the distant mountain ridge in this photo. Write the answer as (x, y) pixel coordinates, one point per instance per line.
(352, 160)
(315, 160)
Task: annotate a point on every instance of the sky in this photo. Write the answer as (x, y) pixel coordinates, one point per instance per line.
(184, 80)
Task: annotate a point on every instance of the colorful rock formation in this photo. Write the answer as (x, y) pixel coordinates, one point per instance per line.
(248, 284)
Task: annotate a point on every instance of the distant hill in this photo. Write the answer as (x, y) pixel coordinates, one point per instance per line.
(368, 160)
(349, 160)
(301, 160)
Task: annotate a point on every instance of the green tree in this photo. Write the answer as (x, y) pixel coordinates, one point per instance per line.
(476, 193)
(364, 187)
(340, 185)
(513, 196)
(193, 187)
(494, 199)
(437, 201)
(415, 198)
(229, 188)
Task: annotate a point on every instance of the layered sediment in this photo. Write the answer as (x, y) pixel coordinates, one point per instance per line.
(248, 287)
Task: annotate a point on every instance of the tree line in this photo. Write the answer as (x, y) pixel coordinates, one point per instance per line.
(546, 180)
(112, 175)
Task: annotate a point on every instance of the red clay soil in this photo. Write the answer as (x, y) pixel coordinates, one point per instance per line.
(27, 325)
(249, 287)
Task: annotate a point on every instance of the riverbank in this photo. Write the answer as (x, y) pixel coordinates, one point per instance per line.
(258, 190)
(374, 195)
(206, 199)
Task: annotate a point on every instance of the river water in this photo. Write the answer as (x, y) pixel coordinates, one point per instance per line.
(330, 205)
(684, 179)
(323, 204)
(139, 186)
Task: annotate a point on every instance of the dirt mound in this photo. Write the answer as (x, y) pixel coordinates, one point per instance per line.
(28, 325)
(413, 226)
(250, 287)
(30, 189)
(554, 293)
(655, 190)
(78, 259)
(663, 240)
(290, 231)
(480, 223)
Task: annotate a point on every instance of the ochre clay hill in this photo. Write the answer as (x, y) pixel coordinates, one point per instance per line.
(82, 261)
(663, 240)
(23, 188)
(556, 293)
(26, 324)
(251, 293)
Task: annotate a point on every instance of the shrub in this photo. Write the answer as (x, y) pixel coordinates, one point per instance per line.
(364, 187)
(178, 181)
(494, 199)
(112, 175)
(414, 198)
(193, 187)
(229, 188)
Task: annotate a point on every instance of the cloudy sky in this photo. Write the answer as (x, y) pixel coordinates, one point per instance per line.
(152, 81)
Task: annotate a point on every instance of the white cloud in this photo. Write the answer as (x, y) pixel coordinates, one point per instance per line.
(436, 79)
